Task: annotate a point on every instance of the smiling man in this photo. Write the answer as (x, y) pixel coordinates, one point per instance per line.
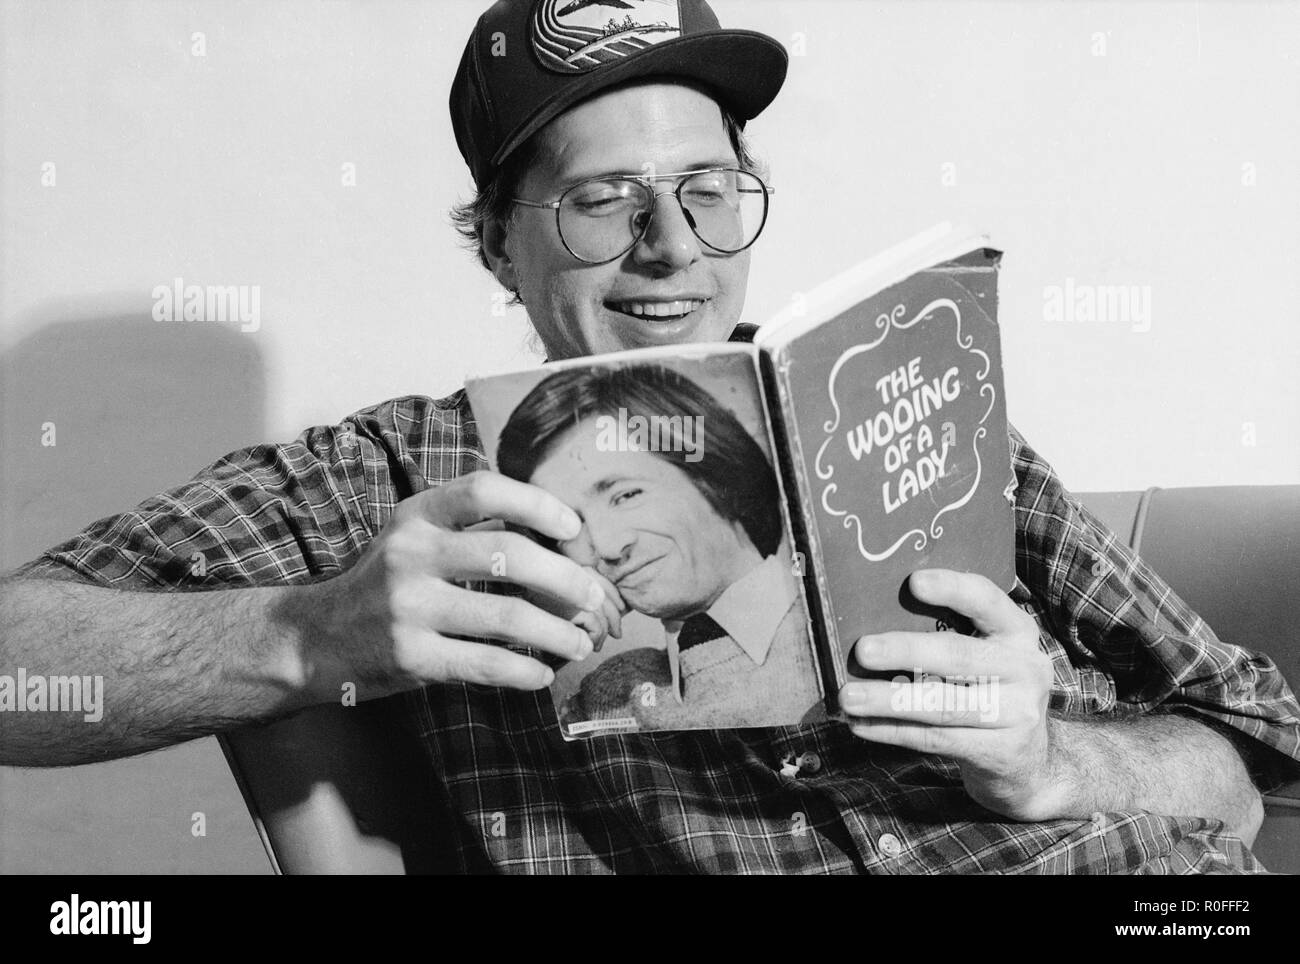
(355, 555)
(678, 292)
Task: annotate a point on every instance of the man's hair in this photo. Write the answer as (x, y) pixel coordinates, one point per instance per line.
(732, 474)
(493, 201)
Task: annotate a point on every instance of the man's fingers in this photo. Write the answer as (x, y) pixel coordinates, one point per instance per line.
(510, 557)
(613, 619)
(463, 612)
(479, 496)
(489, 665)
(614, 606)
(594, 626)
(929, 701)
(612, 592)
(944, 740)
(943, 654)
(972, 595)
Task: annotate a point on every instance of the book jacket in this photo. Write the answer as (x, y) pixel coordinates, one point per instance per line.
(892, 420)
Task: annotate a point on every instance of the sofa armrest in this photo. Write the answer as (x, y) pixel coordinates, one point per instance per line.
(336, 789)
(1287, 795)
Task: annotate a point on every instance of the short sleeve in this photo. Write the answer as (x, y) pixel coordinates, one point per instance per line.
(1123, 642)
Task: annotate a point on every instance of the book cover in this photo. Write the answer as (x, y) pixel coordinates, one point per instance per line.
(892, 421)
(667, 456)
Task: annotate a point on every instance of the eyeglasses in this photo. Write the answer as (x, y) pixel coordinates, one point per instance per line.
(603, 218)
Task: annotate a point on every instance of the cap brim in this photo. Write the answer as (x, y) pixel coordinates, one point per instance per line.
(743, 67)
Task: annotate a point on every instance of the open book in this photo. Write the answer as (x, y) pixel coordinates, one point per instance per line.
(760, 506)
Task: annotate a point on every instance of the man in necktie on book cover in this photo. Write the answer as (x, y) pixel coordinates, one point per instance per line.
(686, 525)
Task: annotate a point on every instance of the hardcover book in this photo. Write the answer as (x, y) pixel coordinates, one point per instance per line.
(758, 506)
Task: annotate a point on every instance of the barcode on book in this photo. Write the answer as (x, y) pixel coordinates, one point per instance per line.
(591, 726)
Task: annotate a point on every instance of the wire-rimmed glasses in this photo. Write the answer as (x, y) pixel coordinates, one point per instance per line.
(602, 218)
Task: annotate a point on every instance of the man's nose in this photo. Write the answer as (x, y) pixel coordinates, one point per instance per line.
(669, 240)
(611, 542)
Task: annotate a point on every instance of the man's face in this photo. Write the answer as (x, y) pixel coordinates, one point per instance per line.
(581, 309)
(646, 527)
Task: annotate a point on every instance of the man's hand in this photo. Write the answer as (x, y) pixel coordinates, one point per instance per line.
(995, 724)
(607, 621)
(396, 619)
(1015, 759)
(178, 664)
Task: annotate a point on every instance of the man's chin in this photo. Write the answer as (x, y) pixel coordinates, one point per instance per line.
(666, 611)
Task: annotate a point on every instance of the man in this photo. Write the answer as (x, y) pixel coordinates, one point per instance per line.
(344, 555)
(689, 531)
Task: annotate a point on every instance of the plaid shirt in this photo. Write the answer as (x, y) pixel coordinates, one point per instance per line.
(516, 797)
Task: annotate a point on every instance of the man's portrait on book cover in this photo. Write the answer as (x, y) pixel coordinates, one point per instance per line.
(683, 514)
(649, 437)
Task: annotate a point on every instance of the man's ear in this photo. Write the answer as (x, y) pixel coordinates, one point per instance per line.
(492, 236)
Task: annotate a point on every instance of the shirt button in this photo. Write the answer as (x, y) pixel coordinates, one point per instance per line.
(889, 845)
(809, 762)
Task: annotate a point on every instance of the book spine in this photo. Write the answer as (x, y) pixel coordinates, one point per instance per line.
(774, 382)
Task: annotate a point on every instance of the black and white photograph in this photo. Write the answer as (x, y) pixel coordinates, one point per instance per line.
(669, 466)
(650, 437)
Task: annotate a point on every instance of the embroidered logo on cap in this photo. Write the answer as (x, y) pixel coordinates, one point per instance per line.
(575, 36)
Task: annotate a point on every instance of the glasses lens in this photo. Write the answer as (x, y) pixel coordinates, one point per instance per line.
(726, 208)
(600, 219)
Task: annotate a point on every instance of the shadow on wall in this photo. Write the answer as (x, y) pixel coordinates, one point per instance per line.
(131, 407)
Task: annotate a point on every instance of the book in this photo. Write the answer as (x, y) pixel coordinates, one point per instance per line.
(759, 506)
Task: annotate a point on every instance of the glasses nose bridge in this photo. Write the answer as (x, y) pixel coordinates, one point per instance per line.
(654, 205)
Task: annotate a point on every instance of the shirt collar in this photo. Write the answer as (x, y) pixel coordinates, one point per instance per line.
(752, 607)
(750, 611)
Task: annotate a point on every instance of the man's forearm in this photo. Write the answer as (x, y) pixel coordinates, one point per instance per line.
(1162, 763)
(173, 666)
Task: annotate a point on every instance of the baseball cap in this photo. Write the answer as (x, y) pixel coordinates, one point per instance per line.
(528, 61)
